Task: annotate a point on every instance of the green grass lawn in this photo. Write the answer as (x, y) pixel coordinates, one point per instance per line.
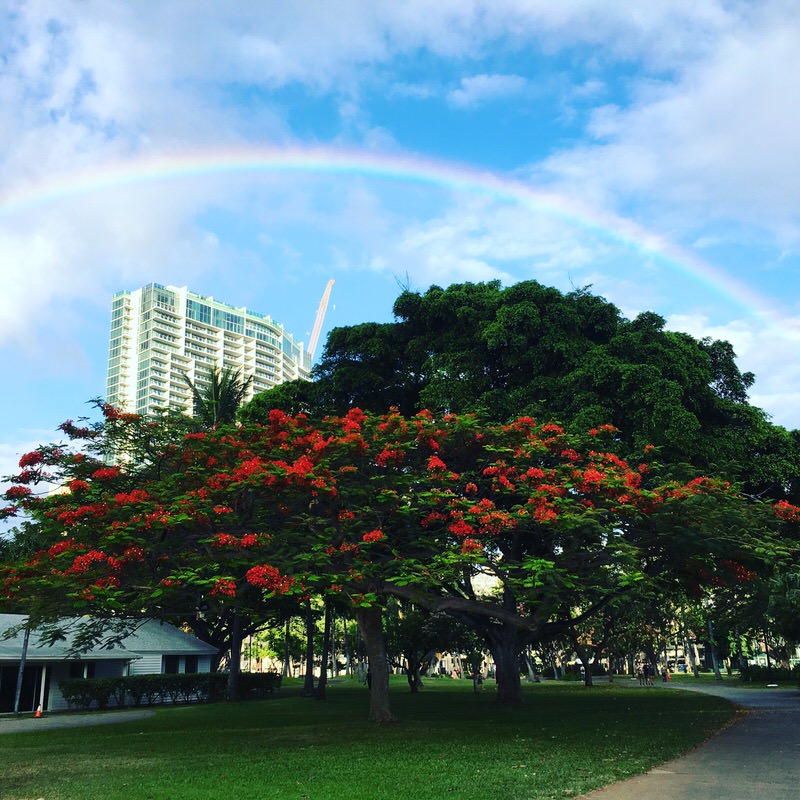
(450, 742)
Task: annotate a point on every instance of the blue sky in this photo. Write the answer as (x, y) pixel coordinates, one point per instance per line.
(649, 150)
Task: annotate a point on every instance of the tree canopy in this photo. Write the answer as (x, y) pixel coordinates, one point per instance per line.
(522, 529)
(531, 350)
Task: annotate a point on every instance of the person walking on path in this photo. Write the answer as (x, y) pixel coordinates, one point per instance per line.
(757, 756)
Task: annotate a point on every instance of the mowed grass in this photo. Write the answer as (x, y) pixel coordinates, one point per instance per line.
(566, 740)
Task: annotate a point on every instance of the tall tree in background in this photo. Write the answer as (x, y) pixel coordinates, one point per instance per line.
(217, 402)
(531, 350)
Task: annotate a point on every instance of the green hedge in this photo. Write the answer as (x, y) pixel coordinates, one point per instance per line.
(757, 673)
(137, 690)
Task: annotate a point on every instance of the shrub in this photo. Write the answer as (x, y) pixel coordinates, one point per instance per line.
(758, 673)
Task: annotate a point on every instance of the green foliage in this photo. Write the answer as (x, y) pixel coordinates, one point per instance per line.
(217, 402)
(529, 349)
(759, 673)
(85, 693)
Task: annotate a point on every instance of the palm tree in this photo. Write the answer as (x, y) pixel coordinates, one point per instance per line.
(218, 402)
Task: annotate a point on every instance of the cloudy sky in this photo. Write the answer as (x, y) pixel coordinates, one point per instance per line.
(255, 150)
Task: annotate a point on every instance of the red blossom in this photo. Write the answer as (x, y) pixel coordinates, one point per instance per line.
(133, 553)
(17, 492)
(471, 546)
(373, 536)
(72, 515)
(31, 459)
(224, 586)
(61, 547)
(435, 464)
(83, 562)
(106, 473)
(387, 456)
(225, 540)
(132, 497)
(268, 577)
(77, 485)
(74, 432)
(786, 511)
(633, 479)
(461, 528)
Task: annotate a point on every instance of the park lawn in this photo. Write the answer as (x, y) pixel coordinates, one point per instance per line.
(566, 740)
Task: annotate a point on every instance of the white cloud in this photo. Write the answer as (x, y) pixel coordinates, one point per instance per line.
(769, 351)
(480, 89)
(720, 142)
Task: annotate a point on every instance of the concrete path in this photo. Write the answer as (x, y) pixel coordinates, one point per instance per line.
(757, 756)
(26, 722)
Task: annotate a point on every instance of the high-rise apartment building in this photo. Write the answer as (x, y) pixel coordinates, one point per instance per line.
(160, 335)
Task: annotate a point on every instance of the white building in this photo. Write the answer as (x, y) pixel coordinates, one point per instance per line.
(160, 335)
(153, 648)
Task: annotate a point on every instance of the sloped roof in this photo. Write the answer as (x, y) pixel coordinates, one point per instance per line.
(151, 636)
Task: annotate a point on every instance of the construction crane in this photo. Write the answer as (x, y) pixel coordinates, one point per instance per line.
(323, 307)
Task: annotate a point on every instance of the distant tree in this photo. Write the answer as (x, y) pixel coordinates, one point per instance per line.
(292, 397)
(217, 402)
(531, 350)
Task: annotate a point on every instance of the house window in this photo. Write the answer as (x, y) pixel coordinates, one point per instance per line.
(191, 664)
(172, 664)
(81, 669)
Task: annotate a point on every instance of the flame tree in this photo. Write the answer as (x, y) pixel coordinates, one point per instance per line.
(522, 530)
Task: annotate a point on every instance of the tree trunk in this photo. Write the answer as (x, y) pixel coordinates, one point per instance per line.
(713, 646)
(234, 665)
(412, 673)
(21, 670)
(286, 653)
(308, 681)
(370, 623)
(689, 650)
(505, 650)
(326, 646)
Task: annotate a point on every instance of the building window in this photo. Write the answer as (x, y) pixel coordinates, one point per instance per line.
(81, 669)
(172, 664)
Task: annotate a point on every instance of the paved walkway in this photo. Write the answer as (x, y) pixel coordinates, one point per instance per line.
(26, 722)
(758, 756)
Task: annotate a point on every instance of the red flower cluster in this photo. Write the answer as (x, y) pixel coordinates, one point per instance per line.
(388, 456)
(471, 546)
(225, 540)
(373, 536)
(31, 459)
(83, 562)
(435, 464)
(106, 473)
(17, 492)
(132, 497)
(786, 511)
(224, 586)
(267, 577)
(61, 547)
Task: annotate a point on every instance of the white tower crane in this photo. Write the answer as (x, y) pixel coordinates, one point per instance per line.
(323, 306)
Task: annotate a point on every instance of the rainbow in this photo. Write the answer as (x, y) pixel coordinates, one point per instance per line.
(321, 161)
